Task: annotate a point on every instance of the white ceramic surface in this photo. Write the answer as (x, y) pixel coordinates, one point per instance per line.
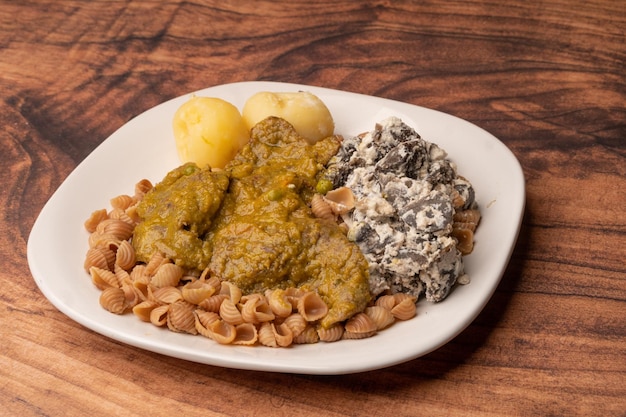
(144, 148)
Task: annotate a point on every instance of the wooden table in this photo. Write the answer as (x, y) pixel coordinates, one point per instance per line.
(547, 78)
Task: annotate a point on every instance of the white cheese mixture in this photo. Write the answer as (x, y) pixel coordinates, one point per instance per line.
(406, 194)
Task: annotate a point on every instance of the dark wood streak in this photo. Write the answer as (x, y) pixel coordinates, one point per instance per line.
(547, 78)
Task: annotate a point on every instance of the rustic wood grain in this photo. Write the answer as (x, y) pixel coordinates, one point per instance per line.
(547, 78)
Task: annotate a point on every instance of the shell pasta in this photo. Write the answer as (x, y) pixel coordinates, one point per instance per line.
(167, 295)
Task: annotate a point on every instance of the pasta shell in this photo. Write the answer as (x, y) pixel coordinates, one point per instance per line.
(156, 260)
(119, 214)
(457, 199)
(296, 323)
(469, 217)
(180, 318)
(125, 255)
(311, 306)
(132, 214)
(279, 302)
(292, 295)
(231, 290)
(166, 295)
(103, 278)
(222, 332)
(123, 277)
(102, 258)
(213, 303)
(133, 297)
(230, 313)
(349, 335)
(340, 200)
(332, 333)
(266, 335)
(360, 323)
(197, 291)
(321, 209)
(118, 228)
(203, 320)
(138, 272)
(386, 301)
(381, 316)
(255, 309)
(158, 315)
(122, 202)
(113, 300)
(141, 284)
(405, 309)
(245, 334)
(273, 335)
(465, 239)
(142, 187)
(103, 240)
(283, 334)
(214, 282)
(94, 220)
(143, 309)
(167, 275)
(307, 336)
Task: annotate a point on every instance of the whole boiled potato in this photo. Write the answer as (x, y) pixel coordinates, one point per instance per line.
(305, 111)
(209, 131)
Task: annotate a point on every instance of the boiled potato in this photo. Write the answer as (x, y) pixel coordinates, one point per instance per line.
(305, 111)
(209, 131)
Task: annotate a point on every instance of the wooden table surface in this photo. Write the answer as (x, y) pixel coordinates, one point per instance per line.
(547, 78)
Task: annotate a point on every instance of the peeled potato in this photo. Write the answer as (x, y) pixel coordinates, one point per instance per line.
(209, 131)
(305, 111)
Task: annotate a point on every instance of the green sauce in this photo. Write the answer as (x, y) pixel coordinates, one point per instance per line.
(251, 223)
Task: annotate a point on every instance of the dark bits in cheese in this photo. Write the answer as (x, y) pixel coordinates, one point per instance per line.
(405, 189)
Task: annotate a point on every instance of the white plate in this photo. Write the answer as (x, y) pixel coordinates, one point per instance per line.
(144, 148)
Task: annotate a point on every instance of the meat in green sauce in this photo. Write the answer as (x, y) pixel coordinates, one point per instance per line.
(251, 224)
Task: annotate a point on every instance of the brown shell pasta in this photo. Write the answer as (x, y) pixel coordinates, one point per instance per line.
(114, 300)
(230, 313)
(360, 323)
(95, 219)
(311, 306)
(103, 278)
(122, 202)
(102, 258)
(381, 316)
(180, 318)
(332, 333)
(245, 334)
(307, 336)
(167, 275)
(143, 309)
(255, 309)
(321, 209)
(125, 255)
(118, 228)
(405, 309)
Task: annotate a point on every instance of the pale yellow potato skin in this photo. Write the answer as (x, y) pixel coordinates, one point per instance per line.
(209, 131)
(304, 110)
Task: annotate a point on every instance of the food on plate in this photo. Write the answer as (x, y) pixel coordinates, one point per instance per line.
(413, 215)
(251, 223)
(304, 110)
(208, 131)
(291, 240)
(177, 213)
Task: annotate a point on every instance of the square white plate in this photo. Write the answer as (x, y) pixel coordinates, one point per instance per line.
(144, 148)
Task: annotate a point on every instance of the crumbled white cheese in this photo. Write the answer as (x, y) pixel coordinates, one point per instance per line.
(403, 213)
